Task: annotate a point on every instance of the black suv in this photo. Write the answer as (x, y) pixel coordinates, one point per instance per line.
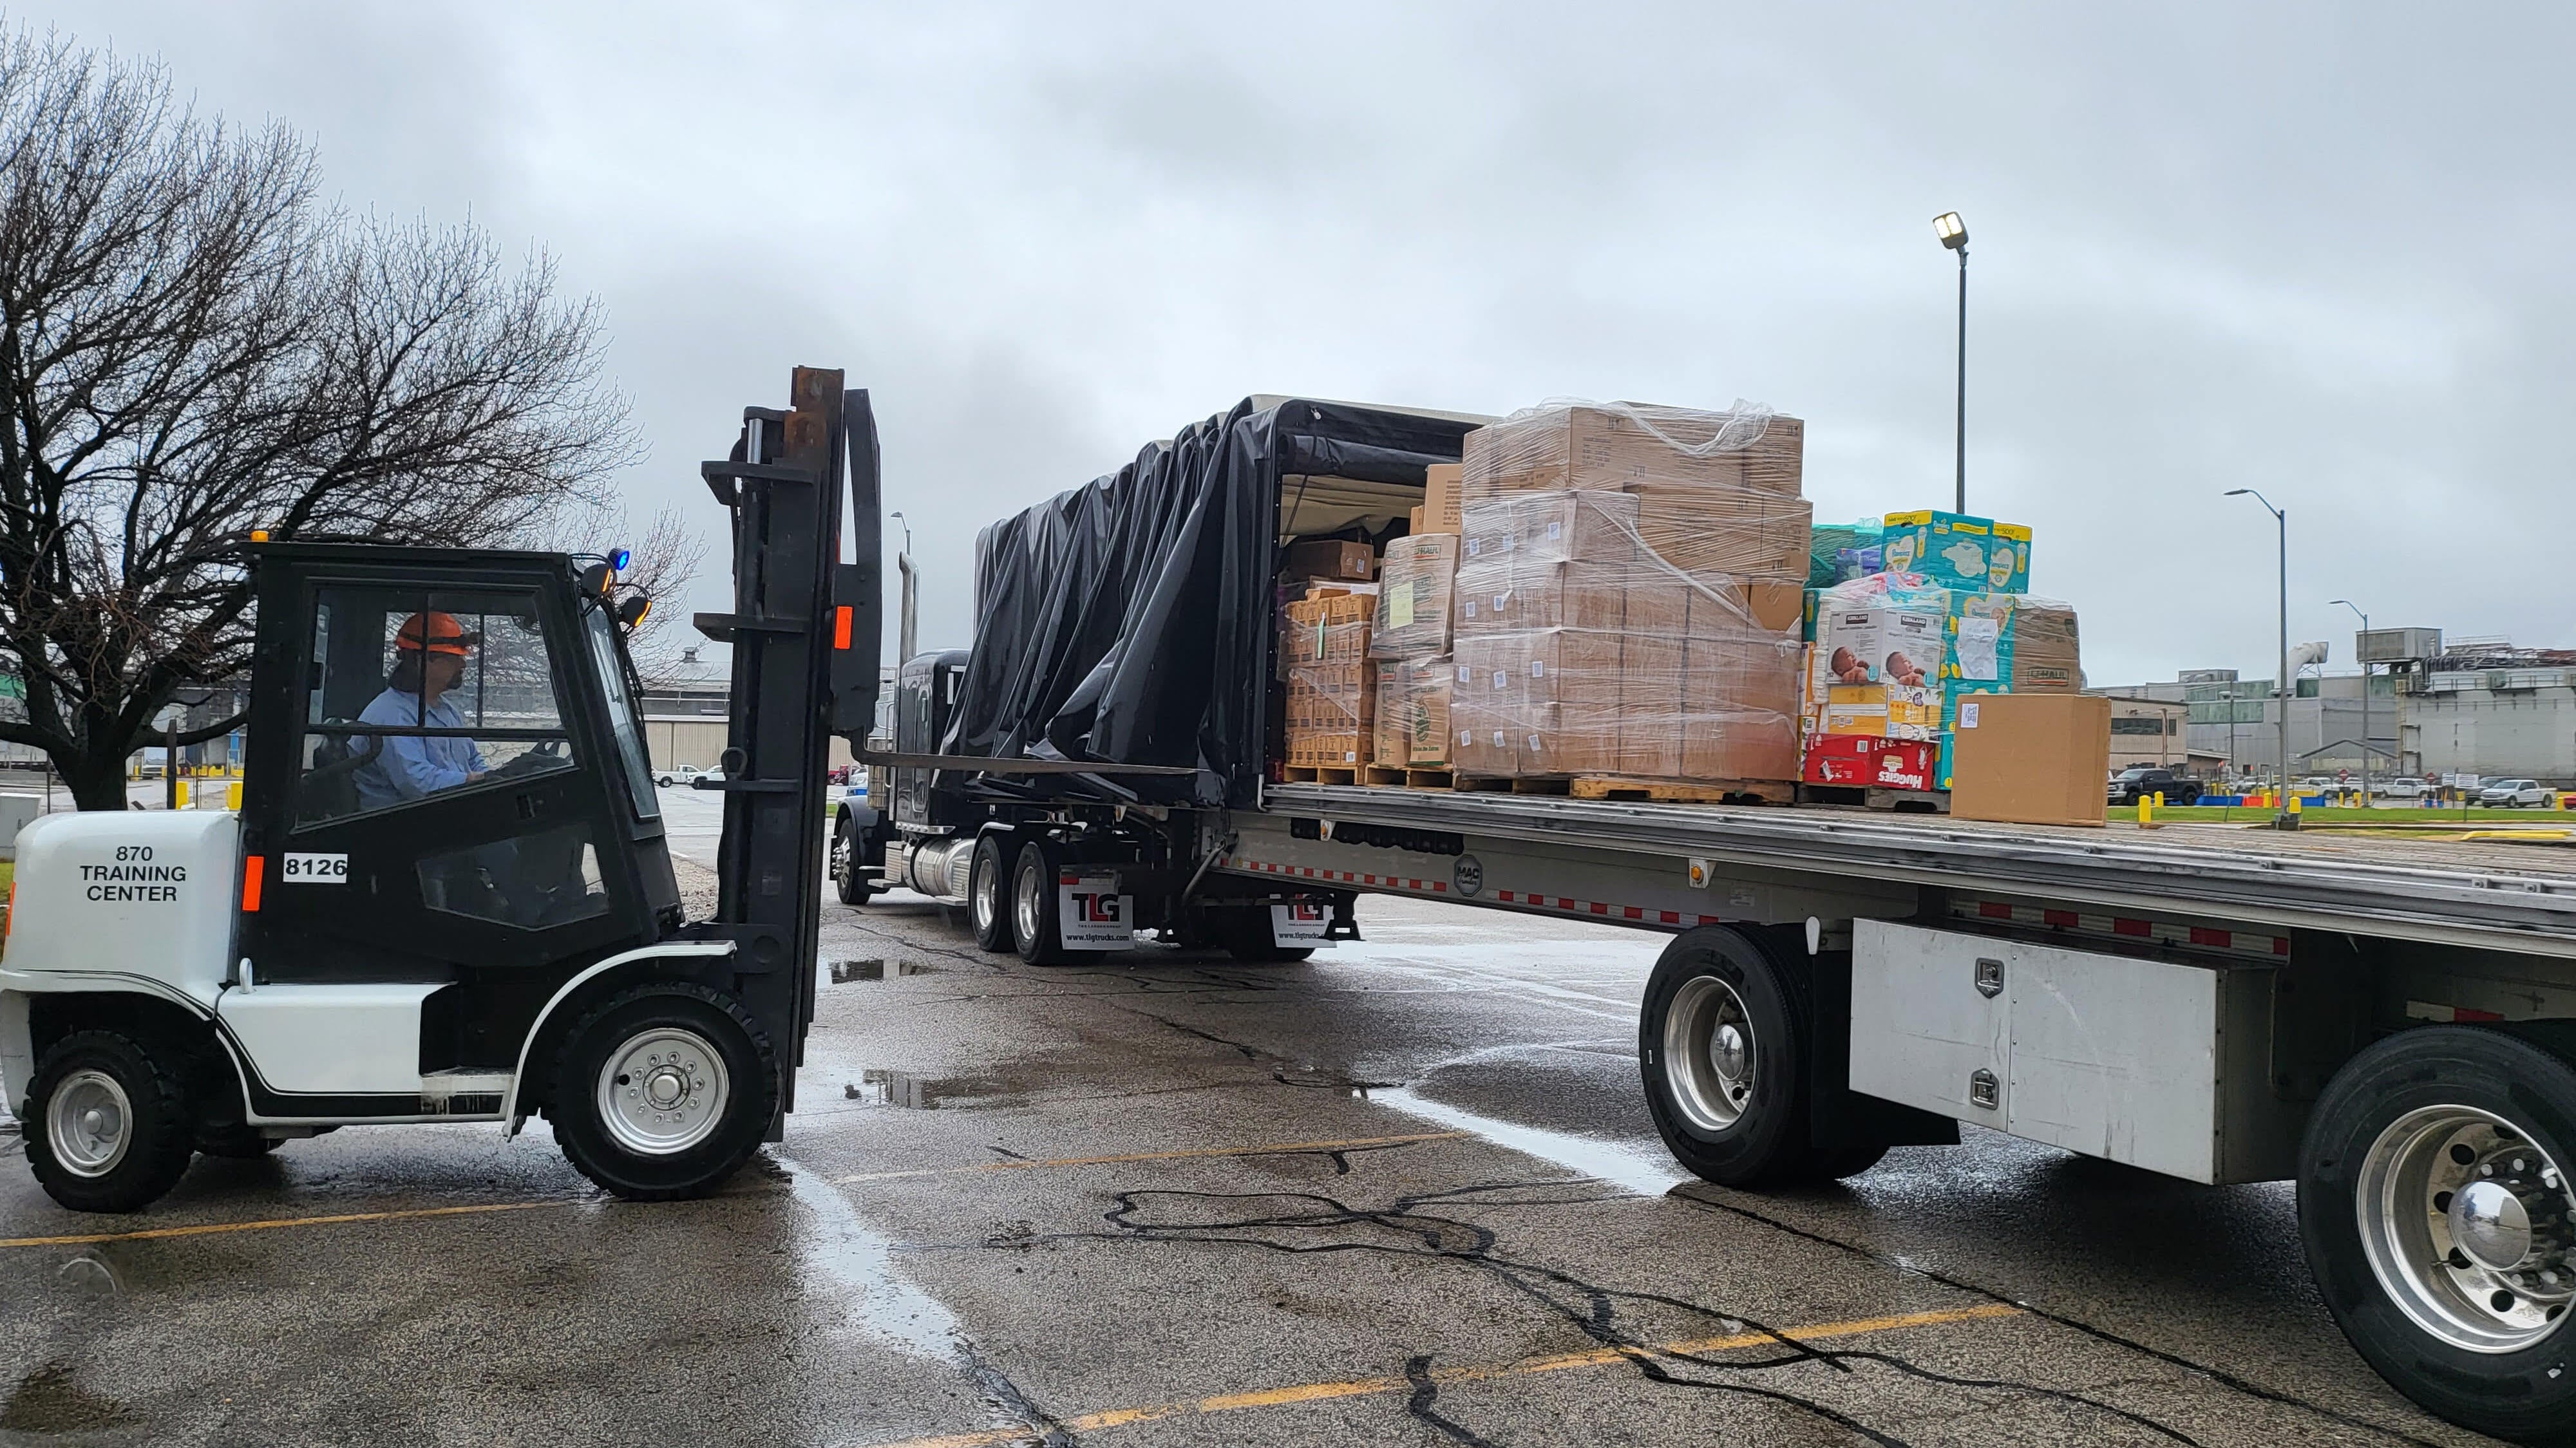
(2141, 782)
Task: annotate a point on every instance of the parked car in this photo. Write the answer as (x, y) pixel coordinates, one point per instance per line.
(2400, 788)
(683, 774)
(2515, 793)
(2144, 781)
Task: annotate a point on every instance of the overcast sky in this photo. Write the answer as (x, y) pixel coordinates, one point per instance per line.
(2319, 250)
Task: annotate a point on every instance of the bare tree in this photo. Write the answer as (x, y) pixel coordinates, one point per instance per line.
(192, 346)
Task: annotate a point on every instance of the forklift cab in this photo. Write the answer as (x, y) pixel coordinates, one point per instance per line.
(446, 778)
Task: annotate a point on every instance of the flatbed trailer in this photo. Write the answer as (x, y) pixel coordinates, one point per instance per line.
(2391, 1023)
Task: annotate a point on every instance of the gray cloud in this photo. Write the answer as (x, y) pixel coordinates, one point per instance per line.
(2313, 249)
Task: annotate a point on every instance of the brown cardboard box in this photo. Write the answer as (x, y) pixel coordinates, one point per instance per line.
(1328, 630)
(1430, 681)
(1650, 706)
(1586, 527)
(1739, 744)
(1740, 707)
(1744, 535)
(1566, 739)
(1413, 524)
(1440, 500)
(1591, 447)
(1521, 596)
(2046, 657)
(1330, 558)
(1392, 733)
(1413, 609)
(2032, 759)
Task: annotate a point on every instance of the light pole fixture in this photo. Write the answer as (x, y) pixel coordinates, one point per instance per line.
(2365, 697)
(1954, 235)
(2280, 686)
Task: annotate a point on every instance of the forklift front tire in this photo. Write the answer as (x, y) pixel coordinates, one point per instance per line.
(109, 1128)
(663, 1091)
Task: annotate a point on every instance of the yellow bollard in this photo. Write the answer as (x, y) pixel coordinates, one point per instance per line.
(2160, 799)
(2147, 810)
(2294, 803)
(232, 796)
(182, 786)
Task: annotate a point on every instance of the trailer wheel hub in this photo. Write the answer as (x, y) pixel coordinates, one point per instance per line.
(1709, 1053)
(662, 1091)
(2466, 1222)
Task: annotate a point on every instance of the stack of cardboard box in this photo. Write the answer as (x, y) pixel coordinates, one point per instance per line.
(1894, 653)
(1332, 686)
(1627, 596)
(1410, 643)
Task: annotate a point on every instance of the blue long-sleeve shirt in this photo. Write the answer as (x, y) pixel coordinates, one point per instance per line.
(409, 766)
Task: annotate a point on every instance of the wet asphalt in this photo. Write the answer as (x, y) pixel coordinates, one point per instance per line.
(1405, 1193)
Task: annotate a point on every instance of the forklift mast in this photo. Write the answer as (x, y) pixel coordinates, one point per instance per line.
(804, 630)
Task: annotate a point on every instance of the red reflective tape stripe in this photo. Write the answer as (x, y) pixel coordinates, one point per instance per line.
(2201, 935)
(2122, 925)
(1994, 910)
(252, 868)
(1564, 904)
(1634, 913)
(2280, 945)
(1668, 917)
(1600, 909)
(2065, 919)
(1439, 885)
(2464, 1013)
(841, 627)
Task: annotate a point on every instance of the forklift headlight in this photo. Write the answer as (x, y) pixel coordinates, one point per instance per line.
(632, 611)
(597, 579)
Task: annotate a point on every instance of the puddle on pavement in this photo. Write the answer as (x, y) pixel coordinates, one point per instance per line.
(48, 1401)
(87, 1276)
(860, 1261)
(896, 1088)
(1645, 1174)
(846, 972)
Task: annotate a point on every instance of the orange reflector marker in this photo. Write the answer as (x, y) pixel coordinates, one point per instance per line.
(841, 627)
(250, 883)
(12, 922)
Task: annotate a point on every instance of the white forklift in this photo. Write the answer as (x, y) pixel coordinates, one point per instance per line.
(447, 895)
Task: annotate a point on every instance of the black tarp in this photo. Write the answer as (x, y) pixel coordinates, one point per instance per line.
(1129, 621)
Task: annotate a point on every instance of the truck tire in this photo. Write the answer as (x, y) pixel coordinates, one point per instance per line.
(108, 1127)
(988, 895)
(1033, 904)
(1722, 1043)
(846, 881)
(2435, 1208)
(663, 1091)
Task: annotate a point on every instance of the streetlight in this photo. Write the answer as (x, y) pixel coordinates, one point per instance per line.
(2281, 685)
(1954, 235)
(2365, 698)
(2230, 696)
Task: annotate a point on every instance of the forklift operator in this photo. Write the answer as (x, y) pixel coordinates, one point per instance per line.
(430, 653)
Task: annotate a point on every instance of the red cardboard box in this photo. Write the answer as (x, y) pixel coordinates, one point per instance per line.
(1860, 762)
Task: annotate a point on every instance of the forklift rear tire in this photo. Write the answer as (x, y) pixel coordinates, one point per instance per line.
(1722, 1043)
(663, 1091)
(988, 895)
(1033, 905)
(108, 1126)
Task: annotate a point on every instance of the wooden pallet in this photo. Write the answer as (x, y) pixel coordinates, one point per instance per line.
(1388, 776)
(1505, 784)
(1703, 791)
(1895, 801)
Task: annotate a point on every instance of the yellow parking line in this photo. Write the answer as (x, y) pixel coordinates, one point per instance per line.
(210, 1228)
(80, 1239)
(1278, 1149)
(1369, 1387)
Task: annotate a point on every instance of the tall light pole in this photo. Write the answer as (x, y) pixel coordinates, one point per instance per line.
(2230, 696)
(2280, 685)
(2365, 697)
(1954, 235)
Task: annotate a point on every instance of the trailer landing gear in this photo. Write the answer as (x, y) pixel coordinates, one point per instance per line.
(1723, 1042)
(2435, 1207)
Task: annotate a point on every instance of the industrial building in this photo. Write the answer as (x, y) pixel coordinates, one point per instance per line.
(2422, 707)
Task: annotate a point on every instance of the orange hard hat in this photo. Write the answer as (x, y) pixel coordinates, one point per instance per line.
(437, 633)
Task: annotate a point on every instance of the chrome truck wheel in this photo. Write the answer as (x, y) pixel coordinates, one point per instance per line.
(109, 1129)
(663, 1090)
(986, 873)
(2436, 1213)
(1722, 1044)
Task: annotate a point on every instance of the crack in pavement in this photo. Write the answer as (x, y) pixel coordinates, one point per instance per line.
(2073, 1324)
(1592, 1309)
